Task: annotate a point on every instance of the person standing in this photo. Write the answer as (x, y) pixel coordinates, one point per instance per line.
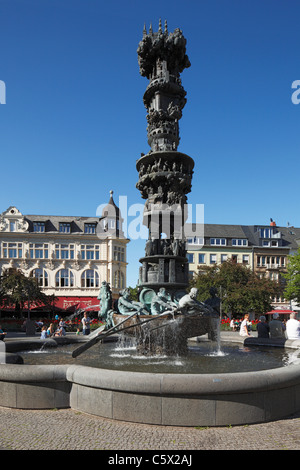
(86, 322)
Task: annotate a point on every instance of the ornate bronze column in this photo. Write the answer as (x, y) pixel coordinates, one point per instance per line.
(165, 175)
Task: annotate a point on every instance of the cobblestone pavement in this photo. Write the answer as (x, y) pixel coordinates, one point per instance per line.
(70, 430)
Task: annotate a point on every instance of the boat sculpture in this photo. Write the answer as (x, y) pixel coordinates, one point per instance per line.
(169, 324)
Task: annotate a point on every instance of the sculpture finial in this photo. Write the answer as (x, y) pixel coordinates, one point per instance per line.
(144, 30)
(159, 26)
(166, 27)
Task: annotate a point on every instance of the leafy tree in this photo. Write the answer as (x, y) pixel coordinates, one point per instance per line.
(240, 289)
(292, 288)
(134, 294)
(17, 290)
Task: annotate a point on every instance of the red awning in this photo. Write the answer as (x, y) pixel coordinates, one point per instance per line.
(70, 304)
(280, 312)
(67, 304)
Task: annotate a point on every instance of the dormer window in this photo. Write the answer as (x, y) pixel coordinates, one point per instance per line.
(218, 241)
(90, 228)
(64, 227)
(39, 227)
(239, 242)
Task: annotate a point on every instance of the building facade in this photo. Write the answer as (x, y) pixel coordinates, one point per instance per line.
(69, 256)
(262, 248)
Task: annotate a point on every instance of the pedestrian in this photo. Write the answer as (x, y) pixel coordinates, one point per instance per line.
(244, 326)
(86, 324)
(293, 327)
(262, 328)
(276, 327)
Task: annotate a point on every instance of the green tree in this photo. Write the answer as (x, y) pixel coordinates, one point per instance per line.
(239, 288)
(134, 294)
(292, 287)
(18, 290)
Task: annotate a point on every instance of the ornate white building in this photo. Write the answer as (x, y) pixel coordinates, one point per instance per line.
(70, 256)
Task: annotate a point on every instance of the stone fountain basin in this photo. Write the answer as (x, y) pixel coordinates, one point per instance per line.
(151, 398)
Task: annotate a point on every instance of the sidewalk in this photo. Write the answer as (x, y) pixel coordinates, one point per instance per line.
(70, 430)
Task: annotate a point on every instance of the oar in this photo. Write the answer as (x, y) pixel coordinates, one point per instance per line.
(97, 338)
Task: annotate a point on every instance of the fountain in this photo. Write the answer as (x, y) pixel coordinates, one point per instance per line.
(166, 315)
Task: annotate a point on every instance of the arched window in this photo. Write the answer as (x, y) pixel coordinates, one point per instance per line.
(64, 278)
(119, 280)
(41, 275)
(90, 278)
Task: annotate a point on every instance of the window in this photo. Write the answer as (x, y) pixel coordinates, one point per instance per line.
(63, 251)
(223, 258)
(90, 278)
(190, 257)
(12, 250)
(201, 258)
(261, 261)
(89, 252)
(65, 227)
(119, 280)
(12, 225)
(239, 242)
(39, 226)
(195, 241)
(213, 259)
(245, 259)
(119, 253)
(64, 278)
(218, 241)
(38, 250)
(42, 277)
(90, 228)
(267, 232)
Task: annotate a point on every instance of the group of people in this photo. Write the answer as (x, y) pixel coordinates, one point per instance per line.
(51, 331)
(61, 329)
(278, 329)
(273, 329)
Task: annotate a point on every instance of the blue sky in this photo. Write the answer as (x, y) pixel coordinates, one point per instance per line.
(74, 122)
